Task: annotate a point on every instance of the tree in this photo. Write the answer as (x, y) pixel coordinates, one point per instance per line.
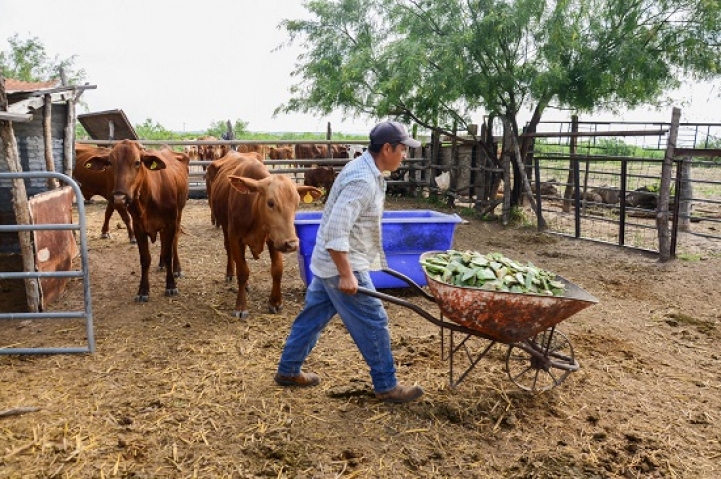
(27, 60)
(436, 62)
(219, 128)
(150, 130)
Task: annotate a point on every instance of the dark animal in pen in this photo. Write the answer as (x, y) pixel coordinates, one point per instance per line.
(321, 177)
(399, 189)
(548, 188)
(642, 198)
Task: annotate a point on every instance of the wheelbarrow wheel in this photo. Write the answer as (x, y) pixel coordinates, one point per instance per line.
(542, 362)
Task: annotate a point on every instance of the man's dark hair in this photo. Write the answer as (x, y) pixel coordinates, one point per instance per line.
(373, 148)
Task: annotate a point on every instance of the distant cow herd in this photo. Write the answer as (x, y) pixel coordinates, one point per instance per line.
(318, 176)
(304, 151)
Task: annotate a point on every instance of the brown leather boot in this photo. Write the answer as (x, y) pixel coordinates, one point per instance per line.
(401, 394)
(303, 380)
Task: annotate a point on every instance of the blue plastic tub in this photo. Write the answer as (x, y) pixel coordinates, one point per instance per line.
(406, 235)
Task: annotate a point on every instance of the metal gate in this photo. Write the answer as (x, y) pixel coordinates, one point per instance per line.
(83, 273)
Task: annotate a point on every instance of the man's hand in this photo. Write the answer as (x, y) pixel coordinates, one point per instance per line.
(348, 282)
(348, 285)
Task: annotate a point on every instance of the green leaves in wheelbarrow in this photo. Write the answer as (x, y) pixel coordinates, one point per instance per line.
(491, 272)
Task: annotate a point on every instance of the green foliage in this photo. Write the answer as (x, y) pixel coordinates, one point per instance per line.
(220, 128)
(150, 130)
(600, 147)
(436, 61)
(615, 147)
(80, 132)
(518, 217)
(27, 60)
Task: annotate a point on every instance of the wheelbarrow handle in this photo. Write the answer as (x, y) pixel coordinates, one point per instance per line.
(398, 301)
(410, 283)
(421, 312)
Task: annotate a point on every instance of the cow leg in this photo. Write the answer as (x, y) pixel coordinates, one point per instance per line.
(161, 258)
(123, 212)
(275, 303)
(229, 266)
(237, 249)
(105, 231)
(144, 250)
(177, 269)
(167, 243)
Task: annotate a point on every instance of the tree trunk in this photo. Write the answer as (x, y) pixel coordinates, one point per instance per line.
(524, 178)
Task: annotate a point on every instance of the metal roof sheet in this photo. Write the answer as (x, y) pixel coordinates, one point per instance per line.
(20, 86)
(99, 125)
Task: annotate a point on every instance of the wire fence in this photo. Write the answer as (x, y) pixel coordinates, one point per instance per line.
(619, 180)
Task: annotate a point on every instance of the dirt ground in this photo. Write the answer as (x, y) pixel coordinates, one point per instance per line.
(178, 388)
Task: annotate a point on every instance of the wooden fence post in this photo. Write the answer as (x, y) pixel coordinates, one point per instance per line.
(684, 195)
(20, 202)
(662, 213)
(506, 164)
(570, 186)
(69, 143)
(48, 140)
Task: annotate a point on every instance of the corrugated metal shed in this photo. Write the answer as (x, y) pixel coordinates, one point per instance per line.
(108, 125)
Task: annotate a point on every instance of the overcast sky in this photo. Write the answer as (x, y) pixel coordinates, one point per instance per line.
(185, 64)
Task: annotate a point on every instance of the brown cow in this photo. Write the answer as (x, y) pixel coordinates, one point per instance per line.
(219, 167)
(339, 151)
(99, 183)
(310, 151)
(208, 152)
(255, 209)
(321, 177)
(314, 151)
(153, 185)
(280, 153)
(192, 152)
(262, 150)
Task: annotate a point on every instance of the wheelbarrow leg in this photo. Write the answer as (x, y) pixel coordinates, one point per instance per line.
(461, 347)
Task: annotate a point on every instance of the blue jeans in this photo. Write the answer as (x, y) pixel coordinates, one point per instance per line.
(364, 317)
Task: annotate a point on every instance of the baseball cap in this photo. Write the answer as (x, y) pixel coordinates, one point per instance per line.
(392, 132)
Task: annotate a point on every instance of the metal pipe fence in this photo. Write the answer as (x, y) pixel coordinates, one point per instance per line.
(83, 273)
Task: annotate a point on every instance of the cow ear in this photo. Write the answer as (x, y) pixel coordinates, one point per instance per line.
(243, 185)
(181, 157)
(97, 163)
(153, 162)
(311, 190)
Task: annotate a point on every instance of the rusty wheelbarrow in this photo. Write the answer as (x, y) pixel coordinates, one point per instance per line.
(538, 358)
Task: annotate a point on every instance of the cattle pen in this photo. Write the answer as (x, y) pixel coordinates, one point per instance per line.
(599, 181)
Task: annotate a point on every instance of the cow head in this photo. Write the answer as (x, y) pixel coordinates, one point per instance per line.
(340, 151)
(191, 151)
(275, 206)
(131, 164)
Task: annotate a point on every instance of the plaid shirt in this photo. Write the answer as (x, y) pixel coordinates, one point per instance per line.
(351, 220)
